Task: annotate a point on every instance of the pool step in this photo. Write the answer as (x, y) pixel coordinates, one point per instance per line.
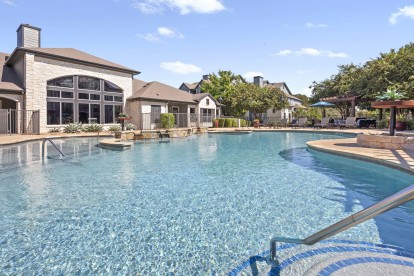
(333, 257)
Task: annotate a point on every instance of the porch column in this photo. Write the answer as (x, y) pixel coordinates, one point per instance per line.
(353, 108)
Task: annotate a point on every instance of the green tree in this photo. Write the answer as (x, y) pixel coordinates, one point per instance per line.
(303, 98)
(221, 86)
(250, 97)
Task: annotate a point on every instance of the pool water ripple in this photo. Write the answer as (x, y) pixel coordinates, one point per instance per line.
(196, 206)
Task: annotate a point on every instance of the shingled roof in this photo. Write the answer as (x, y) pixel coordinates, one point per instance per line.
(74, 55)
(159, 91)
(8, 77)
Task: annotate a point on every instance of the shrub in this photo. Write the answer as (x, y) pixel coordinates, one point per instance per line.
(221, 122)
(167, 120)
(228, 122)
(409, 124)
(130, 127)
(93, 128)
(382, 124)
(73, 128)
(114, 128)
(54, 129)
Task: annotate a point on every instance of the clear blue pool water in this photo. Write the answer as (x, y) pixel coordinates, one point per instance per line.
(191, 206)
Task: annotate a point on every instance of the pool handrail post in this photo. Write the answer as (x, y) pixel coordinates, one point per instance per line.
(372, 211)
(56, 147)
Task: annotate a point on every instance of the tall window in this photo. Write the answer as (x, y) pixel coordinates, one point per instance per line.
(155, 113)
(67, 113)
(84, 113)
(83, 99)
(53, 113)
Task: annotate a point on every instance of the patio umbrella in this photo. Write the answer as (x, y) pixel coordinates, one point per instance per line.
(323, 105)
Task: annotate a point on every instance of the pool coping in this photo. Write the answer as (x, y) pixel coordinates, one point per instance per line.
(367, 154)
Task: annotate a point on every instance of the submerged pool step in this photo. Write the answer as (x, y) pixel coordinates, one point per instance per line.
(333, 257)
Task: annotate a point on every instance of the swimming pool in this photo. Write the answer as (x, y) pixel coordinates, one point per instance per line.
(191, 206)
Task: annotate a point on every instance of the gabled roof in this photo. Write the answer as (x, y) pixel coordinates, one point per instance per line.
(159, 91)
(279, 85)
(8, 77)
(73, 55)
(191, 85)
(200, 96)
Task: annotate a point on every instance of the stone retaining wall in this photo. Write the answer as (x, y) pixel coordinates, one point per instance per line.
(385, 142)
(155, 134)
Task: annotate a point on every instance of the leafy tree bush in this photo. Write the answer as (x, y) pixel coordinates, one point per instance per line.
(114, 128)
(54, 130)
(73, 128)
(93, 128)
(167, 120)
(130, 127)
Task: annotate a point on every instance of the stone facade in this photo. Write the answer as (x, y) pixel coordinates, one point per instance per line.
(386, 142)
(40, 69)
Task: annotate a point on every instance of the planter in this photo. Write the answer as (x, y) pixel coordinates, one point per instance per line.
(256, 124)
(400, 126)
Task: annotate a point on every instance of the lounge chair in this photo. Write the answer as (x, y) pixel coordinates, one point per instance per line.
(265, 122)
(280, 123)
(324, 123)
(350, 122)
(301, 122)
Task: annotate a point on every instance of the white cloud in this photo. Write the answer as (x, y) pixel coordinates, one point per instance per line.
(312, 52)
(10, 3)
(167, 32)
(309, 52)
(183, 6)
(150, 37)
(162, 32)
(283, 53)
(146, 7)
(407, 11)
(315, 26)
(249, 75)
(180, 68)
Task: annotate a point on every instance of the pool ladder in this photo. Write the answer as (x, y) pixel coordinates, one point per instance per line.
(372, 211)
(53, 144)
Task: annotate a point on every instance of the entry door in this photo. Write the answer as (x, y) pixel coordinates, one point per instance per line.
(175, 111)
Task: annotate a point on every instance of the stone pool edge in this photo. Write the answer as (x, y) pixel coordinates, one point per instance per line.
(377, 156)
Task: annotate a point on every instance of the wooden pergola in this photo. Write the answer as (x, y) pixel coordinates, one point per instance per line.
(343, 98)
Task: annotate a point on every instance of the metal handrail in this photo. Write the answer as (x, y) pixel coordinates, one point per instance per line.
(372, 211)
(56, 147)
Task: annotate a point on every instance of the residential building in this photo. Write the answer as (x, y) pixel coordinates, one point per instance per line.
(150, 99)
(194, 88)
(57, 86)
(286, 113)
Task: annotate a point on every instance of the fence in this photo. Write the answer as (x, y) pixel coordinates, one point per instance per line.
(19, 121)
(148, 121)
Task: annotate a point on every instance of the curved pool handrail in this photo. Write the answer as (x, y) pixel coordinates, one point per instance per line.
(372, 211)
(54, 145)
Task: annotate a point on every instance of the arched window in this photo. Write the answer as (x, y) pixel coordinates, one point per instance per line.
(66, 81)
(83, 99)
(89, 83)
(110, 87)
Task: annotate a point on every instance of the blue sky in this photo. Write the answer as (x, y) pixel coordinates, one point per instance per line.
(175, 41)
